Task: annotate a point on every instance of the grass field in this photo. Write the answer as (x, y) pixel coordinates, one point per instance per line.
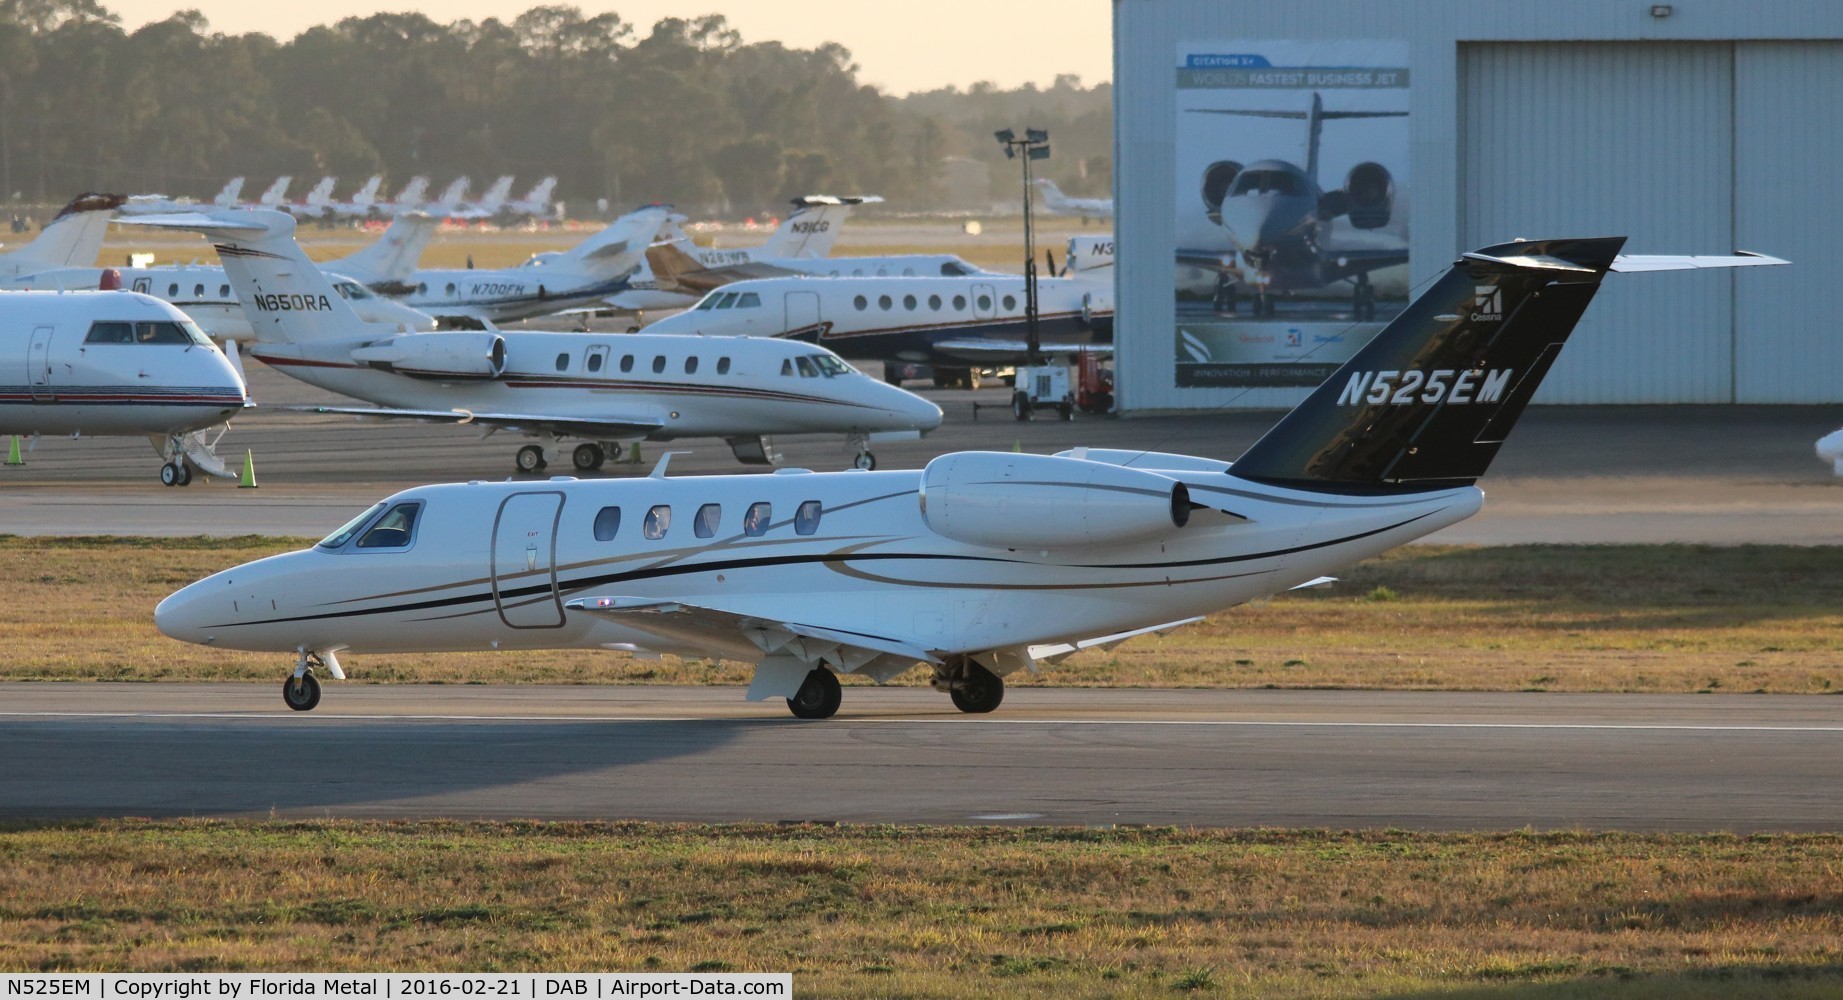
(1558, 618)
(910, 912)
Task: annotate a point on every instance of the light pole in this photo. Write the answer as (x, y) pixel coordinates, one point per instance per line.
(1035, 146)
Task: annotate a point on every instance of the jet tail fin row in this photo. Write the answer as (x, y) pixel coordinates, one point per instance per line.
(1430, 399)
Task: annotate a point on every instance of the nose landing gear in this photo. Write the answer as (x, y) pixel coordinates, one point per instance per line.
(301, 691)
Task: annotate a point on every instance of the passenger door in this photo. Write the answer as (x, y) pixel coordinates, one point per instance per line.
(524, 565)
(802, 311)
(985, 302)
(38, 362)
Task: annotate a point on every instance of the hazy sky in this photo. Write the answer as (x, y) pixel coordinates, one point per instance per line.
(901, 46)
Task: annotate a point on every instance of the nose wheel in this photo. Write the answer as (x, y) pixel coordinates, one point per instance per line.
(865, 461)
(302, 692)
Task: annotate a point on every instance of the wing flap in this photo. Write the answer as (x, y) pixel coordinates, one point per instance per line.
(1059, 651)
(748, 637)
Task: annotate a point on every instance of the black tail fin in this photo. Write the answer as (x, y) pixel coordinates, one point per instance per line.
(1430, 399)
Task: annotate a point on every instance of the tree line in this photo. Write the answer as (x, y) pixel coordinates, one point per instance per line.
(686, 112)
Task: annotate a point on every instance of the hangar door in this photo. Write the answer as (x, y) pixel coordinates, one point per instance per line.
(1685, 148)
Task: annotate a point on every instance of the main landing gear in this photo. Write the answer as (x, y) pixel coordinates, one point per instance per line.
(588, 457)
(819, 696)
(176, 473)
(974, 689)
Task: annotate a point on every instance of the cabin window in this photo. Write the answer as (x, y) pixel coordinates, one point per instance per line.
(422, 288)
(749, 300)
(172, 290)
(723, 366)
(787, 366)
(806, 518)
(857, 272)
(1010, 303)
(395, 530)
(198, 291)
(607, 522)
(563, 361)
(627, 362)
(959, 302)
(659, 364)
(595, 361)
(908, 272)
(705, 524)
(806, 366)
(223, 291)
(658, 520)
(728, 300)
(861, 302)
(755, 522)
(883, 302)
(691, 365)
(908, 302)
(450, 288)
(985, 302)
(934, 302)
(883, 272)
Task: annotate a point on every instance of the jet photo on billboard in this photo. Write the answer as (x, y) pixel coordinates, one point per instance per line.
(1292, 208)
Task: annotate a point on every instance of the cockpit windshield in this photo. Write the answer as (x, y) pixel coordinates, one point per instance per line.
(352, 291)
(183, 332)
(1266, 182)
(829, 365)
(350, 528)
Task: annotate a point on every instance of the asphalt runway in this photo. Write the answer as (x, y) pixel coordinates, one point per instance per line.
(1088, 758)
(1714, 474)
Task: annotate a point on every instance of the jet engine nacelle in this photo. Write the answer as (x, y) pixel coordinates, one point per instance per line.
(1370, 193)
(446, 355)
(1216, 180)
(1016, 501)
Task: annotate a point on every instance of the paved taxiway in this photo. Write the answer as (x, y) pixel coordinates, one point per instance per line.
(1208, 758)
(1715, 474)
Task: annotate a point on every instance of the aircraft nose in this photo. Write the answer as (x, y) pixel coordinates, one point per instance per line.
(916, 412)
(182, 615)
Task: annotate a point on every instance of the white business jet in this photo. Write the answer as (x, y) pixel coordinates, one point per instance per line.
(534, 205)
(956, 324)
(115, 363)
(487, 208)
(364, 200)
(601, 390)
(410, 199)
(979, 565)
(583, 275)
(1061, 204)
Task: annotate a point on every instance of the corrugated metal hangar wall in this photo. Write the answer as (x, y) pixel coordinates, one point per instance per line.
(1710, 128)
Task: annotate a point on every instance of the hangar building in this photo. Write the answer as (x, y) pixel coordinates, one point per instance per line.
(1424, 128)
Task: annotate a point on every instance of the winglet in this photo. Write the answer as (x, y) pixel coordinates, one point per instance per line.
(659, 471)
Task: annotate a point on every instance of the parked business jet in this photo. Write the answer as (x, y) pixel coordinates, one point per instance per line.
(115, 363)
(1061, 204)
(687, 270)
(981, 564)
(599, 390)
(276, 193)
(314, 204)
(583, 275)
(364, 200)
(410, 199)
(487, 208)
(957, 325)
(73, 237)
(389, 263)
(534, 205)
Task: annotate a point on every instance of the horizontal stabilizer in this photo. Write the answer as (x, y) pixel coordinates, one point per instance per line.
(197, 222)
(1669, 262)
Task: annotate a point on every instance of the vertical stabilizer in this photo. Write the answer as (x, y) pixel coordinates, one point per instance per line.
(276, 192)
(227, 198)
(451, 197)
(321, 194)
(413, 193)
(368, 195)
(496, 195)
(392, 259)
(72, 239)
(617, 249)
(810, 232)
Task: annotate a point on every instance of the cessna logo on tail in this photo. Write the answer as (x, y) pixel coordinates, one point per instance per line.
(1487, 303)
(1446, 384)
(292, 303)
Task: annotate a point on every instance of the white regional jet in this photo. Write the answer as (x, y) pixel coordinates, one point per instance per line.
(979, 565)
(115, 363)
(602, 390)
(955, 324)
(1061, 204)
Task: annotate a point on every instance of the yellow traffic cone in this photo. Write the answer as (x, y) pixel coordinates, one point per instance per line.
(1018, 445)
(12, 453)
(248, 480)
(633, 455)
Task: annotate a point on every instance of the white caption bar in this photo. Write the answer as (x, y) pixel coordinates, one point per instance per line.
(395, 986)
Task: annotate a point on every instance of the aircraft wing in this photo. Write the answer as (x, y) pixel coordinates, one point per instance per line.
(604, 428)
(752, 638)
(1059, 651)
(676, 270)
(1208, 260)
(1009, 351)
